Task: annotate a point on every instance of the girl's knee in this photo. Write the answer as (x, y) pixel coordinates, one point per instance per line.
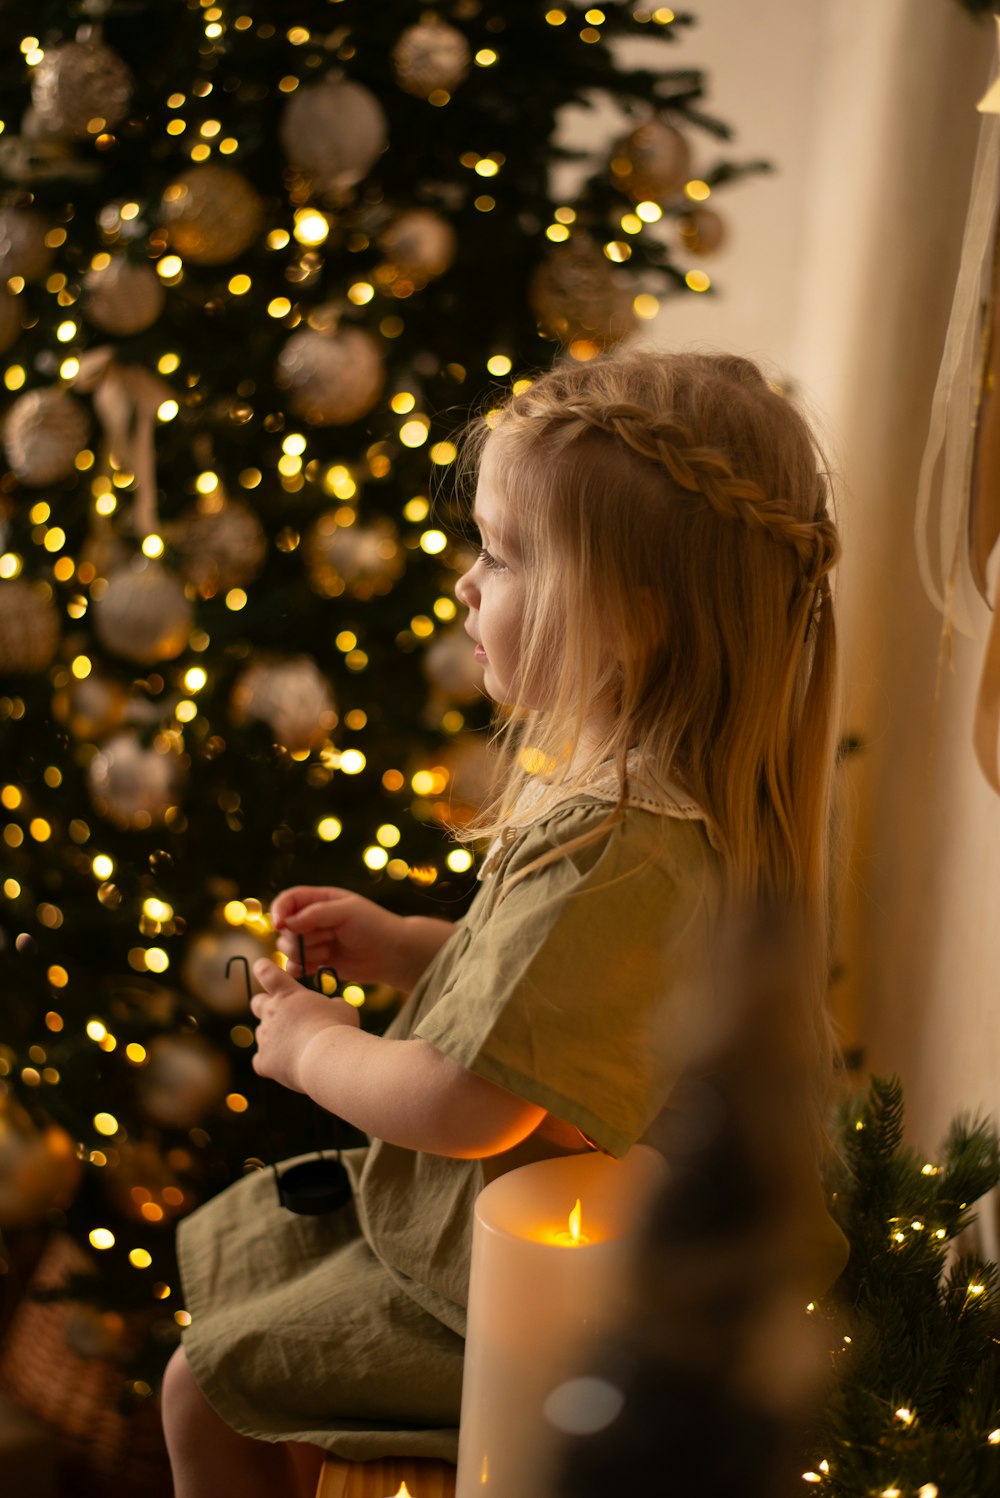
(185, 1409)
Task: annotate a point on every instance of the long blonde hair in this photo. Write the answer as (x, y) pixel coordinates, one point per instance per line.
(672, 510)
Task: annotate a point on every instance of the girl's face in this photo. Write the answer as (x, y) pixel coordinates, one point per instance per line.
(493, 590)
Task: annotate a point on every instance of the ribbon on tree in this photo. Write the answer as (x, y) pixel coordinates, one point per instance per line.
(958, 494)
(126, 399)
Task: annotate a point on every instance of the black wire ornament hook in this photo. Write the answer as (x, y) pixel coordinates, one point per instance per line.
(311, 1187)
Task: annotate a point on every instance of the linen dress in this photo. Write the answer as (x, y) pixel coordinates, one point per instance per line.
(582, 989)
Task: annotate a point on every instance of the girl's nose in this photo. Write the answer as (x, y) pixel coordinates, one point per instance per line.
(465, 590)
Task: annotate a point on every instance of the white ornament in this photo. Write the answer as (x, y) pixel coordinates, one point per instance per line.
(23, 251)
(429, 56)
(659, 160)
(204, 969)
(212, 214)
(144, 614)
(450, 664)
(122, 298)
(419, 242)
(334, 132)
(132, 785)
(29, 627)
(363, 559)
(223, 548)
(77, 84)
(291, 695)
(183, 1077)
(42, 435)
(333, 378)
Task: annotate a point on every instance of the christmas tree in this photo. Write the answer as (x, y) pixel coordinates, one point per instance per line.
(259, 266)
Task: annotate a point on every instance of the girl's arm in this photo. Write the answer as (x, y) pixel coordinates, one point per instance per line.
(402, 1091)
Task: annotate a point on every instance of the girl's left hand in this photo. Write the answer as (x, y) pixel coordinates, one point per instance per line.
(290, 1016)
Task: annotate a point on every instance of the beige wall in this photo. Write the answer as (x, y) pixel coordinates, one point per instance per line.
(839, 275)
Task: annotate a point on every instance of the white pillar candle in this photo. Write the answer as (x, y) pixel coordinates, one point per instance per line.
(540, 1296)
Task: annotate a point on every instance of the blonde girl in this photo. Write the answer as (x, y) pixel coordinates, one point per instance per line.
(651, 607)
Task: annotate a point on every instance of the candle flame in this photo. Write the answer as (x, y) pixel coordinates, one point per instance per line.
(404, 1491)
(575, 1221)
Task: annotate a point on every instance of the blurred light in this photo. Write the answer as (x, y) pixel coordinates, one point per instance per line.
(157, 910)
(13, 377)
(649, 212)
(413, 433)
(102, 1238)
(66, 331)
(558, 233)
(295, 444)
(235, 912)
(433, 542)
(352, 762)
(140, 1258)
(170, 267)
(445, 608)
(697, 191)
(240, 285)
(459, 859)
(498, 364)
(353, 995)
(152, 546)
(485, 57)
(443, 453)
(311, 226)
(329, 829)
(69, 368)
(361, 294)
(105, 1123)
(103, 866)
(236, 599)
(236, 1102)
(388, 835)
(403, 402)
(375, 858)
(555, 17)
(157, 960)
(167, 410)
(279, 306)
(645, 305)
(697, 280)
(277, 239)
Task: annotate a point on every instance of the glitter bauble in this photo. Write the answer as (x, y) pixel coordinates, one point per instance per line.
(92, 1333)
(291, 695)
(702, 231)
(575, 296)
(23, 251)
(212, 214)
(363, 560)
(429, 56)
(92, 708)
(471, 766)
(654, 162)
(10, 321)
(419, 243)
(332, 378)
(450, 664)
(29, 627)
(204, 969)
(333, 132)
(42, 435)
(78, 84)
(222, 548)
(122, 298)
(183, 1078)
(133, 785)
(144, 614)
(39, 1169)
(144, 1187)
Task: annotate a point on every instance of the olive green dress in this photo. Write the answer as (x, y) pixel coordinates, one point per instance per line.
(580, 988)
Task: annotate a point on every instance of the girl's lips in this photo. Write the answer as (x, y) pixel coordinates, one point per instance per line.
(480, 653)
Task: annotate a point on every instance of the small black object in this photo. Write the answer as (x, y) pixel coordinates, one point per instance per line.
(312, 1187)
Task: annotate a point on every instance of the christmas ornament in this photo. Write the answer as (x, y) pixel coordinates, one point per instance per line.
(42, 435)
(223, 547)
(77, 84)
(10, 321)
(333, 378)
(122, 298)
(702, 231)
(291, 695)
(183, 1078)
(334, 132)
(575, 295)
(204, 970)
(92, 708)
(143, 1186)
(654, 162)
(23, 251)
(419, 243)
(450, 664)
(471, 766)
(29, 627)
(212, 214)
(133, 785)
(429, 56)
(91, 1333)
(364, 560)
(143, 614)
(39, 1169)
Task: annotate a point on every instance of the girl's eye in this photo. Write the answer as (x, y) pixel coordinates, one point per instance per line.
(490, 561)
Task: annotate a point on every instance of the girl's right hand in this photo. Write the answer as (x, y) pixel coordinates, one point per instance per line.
(340, 929)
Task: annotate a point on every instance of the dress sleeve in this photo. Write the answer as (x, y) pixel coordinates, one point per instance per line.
(581, 988)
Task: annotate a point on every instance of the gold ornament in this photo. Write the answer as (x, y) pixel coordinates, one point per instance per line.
(92, 708)
(363, 560)
(10, 321)
(291, 695)
(39, 1169)
(183, 1078)
(429, 56)
(132, 785)
(212, 214)
(23, 251)
(332, 378)
(654, 162)
(144, 614)
(204, 970)
(334, 132)
(471, 766)
(420, 243)
(122, 298)
(143, 1186)
(224, 547)
(576, 296)
(450, 665)
(42, 435)
(29, 627)
(77, 84)
(702, 231)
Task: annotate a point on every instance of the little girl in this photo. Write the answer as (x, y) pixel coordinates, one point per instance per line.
(652, 609)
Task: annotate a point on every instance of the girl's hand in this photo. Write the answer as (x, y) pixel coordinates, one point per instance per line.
(290, 1017)
(341, 930)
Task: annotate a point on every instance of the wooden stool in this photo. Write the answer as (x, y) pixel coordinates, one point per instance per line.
(381, 1479)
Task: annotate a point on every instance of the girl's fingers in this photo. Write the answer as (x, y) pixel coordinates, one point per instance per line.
(271, 977)
(290, 900)
(320, 913)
